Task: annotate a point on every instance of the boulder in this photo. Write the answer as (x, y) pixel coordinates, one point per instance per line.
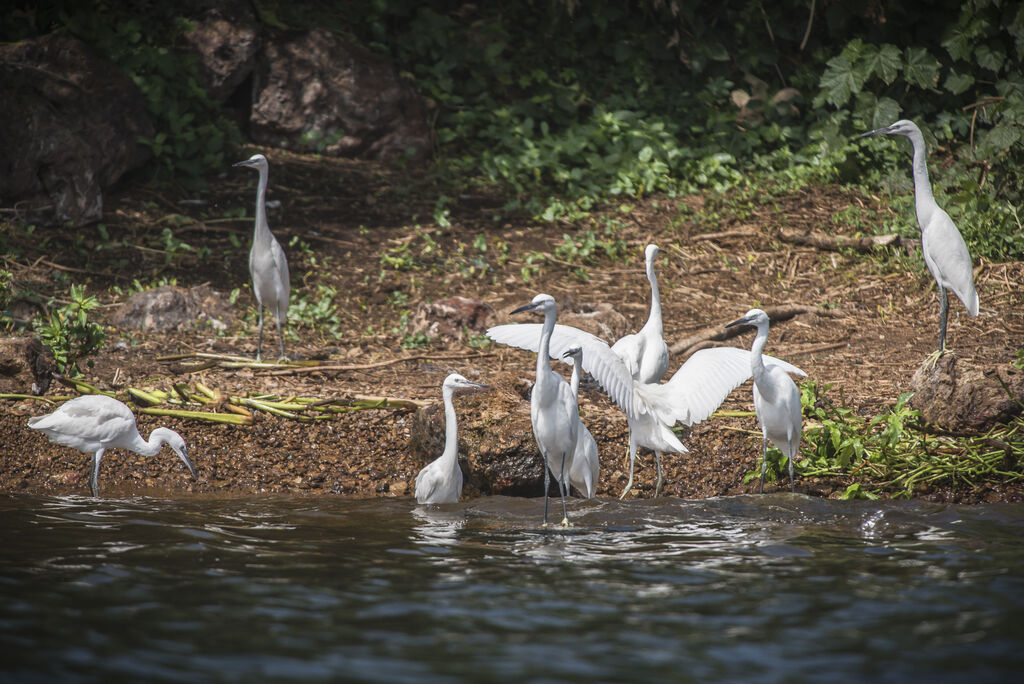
(69, 128)
(173, 308)
(957, 396)
(451, 317)
(317, 92)
(26, 366)
(225, 40)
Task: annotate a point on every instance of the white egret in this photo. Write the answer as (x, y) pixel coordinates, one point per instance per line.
(553, 409)
(267, 263)
(776, 397)
(441, 480)
(645, 353)
(945, 252)
(690, 396)
(585, 466)
(95, 423)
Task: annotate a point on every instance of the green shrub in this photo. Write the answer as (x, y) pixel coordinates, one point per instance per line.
(69, 333)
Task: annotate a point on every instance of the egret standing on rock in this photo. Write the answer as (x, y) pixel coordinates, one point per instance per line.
(441, 480)
(553, 409)
(945, 251)
(585, 469)
(776, 397)
(267, 263)
(95, 423)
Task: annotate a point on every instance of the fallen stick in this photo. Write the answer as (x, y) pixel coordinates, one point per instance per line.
(834, 243)
(718, 333)
(231, 418)
(819, 348)
(724, 235)
(379, 364)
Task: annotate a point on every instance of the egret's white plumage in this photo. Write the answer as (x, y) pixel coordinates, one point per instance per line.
(945, 252)
(645, 353)
(441, 480)
(95, 423)
(690, 396)
(776, 397)
(553, 409)
(585, 469)
(267, 264)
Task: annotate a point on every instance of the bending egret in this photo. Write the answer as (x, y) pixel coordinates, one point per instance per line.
(690, 396)
(95, 423)
(585, 470)
(945, 251)
(776, 398)
(267, 263)
(645, 353)
(553, 410)
(441, 480)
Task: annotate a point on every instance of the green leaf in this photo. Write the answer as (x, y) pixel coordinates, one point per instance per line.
(885, 111)
(989, 59)
(920, 68)
(884, 62)
(1000, 138)
(958, 83)
(839, 82)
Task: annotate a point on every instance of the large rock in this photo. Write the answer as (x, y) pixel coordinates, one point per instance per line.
(26, 366)
(957, 396)
(172, 308)
(320, 93)
(69, 127)
(225, 41)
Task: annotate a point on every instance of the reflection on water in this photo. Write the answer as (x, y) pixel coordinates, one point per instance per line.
(754, 588)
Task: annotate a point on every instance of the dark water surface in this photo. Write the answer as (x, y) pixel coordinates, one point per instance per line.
(750, 588)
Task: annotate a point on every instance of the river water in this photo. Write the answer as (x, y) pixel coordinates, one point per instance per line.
(774, 588)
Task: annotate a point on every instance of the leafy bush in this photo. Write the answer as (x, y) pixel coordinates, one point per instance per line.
(69, 333)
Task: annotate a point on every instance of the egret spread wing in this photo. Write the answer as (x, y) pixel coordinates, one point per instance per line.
(598, 358)
(784, 365)
(630, 350)
(699, 386)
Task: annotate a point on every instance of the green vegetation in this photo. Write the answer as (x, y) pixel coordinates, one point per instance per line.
(69, 333)
(893, 453)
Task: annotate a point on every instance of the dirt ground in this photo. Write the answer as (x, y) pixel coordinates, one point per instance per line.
(370, 233)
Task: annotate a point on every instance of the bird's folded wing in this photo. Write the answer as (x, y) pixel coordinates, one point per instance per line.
(598, 358)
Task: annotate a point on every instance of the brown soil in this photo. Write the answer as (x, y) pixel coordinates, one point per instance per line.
(351, 213)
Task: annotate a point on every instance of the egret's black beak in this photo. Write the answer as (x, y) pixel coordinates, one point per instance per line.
(525, 307)
(247, 162)
(739, 321)
(474, 387)
(884, 129)
(184, 457)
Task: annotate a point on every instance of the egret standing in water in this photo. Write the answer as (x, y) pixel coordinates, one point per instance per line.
(690, 396)
(585, 466)
(553, 409)
(267, 263)
(441, 480)
(95, 423)
(945, 251)
(776, 397)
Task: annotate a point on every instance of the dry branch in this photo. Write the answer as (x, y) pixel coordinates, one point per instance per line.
(718, 333)
(379, 364)
(835, 243)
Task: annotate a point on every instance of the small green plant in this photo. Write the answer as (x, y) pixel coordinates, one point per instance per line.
(69, 333)
(317, 313)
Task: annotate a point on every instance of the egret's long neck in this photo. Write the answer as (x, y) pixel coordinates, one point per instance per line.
(543, 365)
(451, 428)
(756, 362)
(574, 383)
(654, 320)
(922, 186)
(150, 447)
(262, 230)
